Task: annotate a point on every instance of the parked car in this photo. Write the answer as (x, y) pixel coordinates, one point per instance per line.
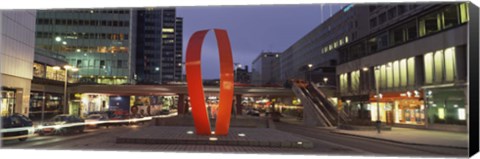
(164, 112)
(62, 124)
(253, 112)
(17, 126)
(95, 120)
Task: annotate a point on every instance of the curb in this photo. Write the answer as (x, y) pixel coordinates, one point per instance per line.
(400, 142)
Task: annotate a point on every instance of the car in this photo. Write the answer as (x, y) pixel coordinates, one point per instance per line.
(62, 124)
(16, 126)
(253, 112)
(97, 120)
(164, 112)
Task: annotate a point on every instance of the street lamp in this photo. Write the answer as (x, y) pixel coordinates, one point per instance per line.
(310, 72)
(325, 79)
(74, 69)
(377, 70)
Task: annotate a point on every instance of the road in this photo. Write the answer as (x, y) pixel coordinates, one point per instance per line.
(325, 143)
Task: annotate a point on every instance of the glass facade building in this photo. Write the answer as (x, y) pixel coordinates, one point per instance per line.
(97, 42)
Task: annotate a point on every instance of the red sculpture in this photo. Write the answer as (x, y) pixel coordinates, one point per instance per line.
(195, 85)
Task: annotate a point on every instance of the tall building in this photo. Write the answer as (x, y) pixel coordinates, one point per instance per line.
(158, 46)
(266, 69)
(17, 34)
(415, 55)
(115, 46)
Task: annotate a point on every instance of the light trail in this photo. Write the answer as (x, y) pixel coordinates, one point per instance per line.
(32, 130)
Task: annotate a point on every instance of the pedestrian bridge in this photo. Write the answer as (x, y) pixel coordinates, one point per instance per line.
(163, 90)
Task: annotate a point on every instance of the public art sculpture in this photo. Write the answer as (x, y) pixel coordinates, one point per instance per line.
(195, 85)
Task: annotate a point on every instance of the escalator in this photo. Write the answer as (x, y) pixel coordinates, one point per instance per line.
(318, 110)
(318, 94)
(314, 114)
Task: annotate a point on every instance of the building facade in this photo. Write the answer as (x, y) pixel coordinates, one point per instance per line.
(318, 47)
(17, 34)
(158, 56)
(416, 56)
(102, 43)
(266, 69)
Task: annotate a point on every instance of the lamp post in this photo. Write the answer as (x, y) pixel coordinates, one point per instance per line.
(66, 67)
(310, 72)
(325, 79)
(377, 69)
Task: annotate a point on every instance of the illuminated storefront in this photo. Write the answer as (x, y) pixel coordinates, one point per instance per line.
(399, 108)
(446, 106)
(7, 105)
(93, 103)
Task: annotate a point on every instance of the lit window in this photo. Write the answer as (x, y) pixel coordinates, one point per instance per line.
(346, 39)
(461, 114)
(464, 12)
(428, 64)
(450, 64)
(441, 113)
(168, 30)
(340, 42)
(335, 44)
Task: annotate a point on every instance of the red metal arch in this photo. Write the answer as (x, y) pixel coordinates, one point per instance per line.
(195, 86)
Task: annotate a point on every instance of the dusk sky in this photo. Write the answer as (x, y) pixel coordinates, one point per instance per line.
(252, 29)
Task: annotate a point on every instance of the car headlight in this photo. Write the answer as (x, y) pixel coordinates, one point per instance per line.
(57, 127)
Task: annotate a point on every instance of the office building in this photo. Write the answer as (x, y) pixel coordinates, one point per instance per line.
(417, 54)
(115, 46)
(158, 56)
(266, 69)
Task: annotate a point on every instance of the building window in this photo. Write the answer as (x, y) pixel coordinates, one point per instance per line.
(102, 64)
(396, 74)
(382, 18)
(392, 13)
(402, 9)
(411, 30)
(38, 70)
(355, 80)
(373, 22)
(411, 71)
(403, 72)
(450, 64)
(429, 24)
(373, 45)
(389, 73)
(450, 16)
(428, 65)
(397, 36)
(463, 12)
(438, 65)
(383, 41)
(79, 64)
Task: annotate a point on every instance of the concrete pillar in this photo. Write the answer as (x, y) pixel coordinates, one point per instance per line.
(239, 106)
(181, 104)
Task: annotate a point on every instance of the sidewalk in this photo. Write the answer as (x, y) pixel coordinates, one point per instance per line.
(414, 136)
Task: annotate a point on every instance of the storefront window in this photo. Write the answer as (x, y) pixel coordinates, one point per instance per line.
(55, 74)
(428, 65)
(446, 106)
(383, 77)
(7, 105)
(355, 77)
(409, 111)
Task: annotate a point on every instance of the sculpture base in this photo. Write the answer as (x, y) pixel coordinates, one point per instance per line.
(259, 137)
